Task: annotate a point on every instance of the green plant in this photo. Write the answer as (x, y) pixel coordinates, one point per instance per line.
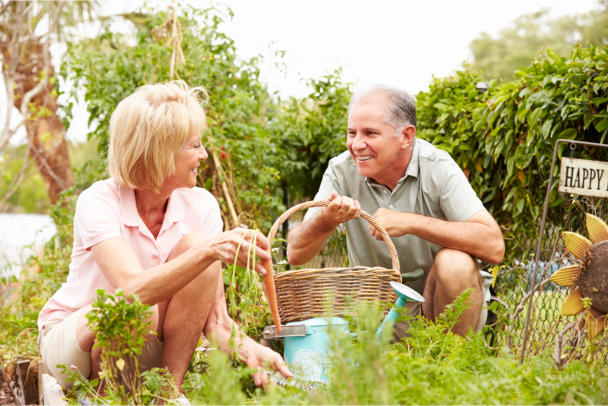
(503, 139)
(42, 277)
(311, 131)
(121, 324)
(529, 35)
(238, 110)
(219, 384)
(243, 296)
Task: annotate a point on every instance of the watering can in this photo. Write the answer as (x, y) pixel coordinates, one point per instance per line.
(307, 342)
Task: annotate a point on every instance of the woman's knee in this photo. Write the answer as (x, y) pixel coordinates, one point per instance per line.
(188, 241)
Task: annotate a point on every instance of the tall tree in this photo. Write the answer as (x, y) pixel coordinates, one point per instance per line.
(530, 35)
(31, 86)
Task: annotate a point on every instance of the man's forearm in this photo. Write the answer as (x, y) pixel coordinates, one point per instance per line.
(480, 240)
(307, 240)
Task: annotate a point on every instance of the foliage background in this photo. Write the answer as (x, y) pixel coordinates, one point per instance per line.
(529, 36)
(502, 139)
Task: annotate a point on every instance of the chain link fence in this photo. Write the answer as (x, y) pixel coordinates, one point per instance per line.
(548, 330)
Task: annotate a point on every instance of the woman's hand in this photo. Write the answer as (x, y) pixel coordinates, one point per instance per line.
(264, 358)
(239, 243)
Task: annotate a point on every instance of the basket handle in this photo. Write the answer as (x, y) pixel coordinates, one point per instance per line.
(325, 203)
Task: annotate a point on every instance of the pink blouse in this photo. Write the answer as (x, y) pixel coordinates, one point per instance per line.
(107, 210)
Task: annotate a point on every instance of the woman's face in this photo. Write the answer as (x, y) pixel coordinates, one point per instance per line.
(188, 161)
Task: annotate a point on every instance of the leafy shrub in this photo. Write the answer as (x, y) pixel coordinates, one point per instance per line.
(238, 101)
(311, 131)
(120, 324)
(429, 367)
(504, 139)
(43, 275)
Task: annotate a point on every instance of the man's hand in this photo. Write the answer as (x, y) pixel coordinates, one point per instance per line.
(308, 238)
(340, 210)
(394, 222)
(264, 358)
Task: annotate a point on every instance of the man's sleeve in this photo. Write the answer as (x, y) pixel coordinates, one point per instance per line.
(329, 184)
(457, 199)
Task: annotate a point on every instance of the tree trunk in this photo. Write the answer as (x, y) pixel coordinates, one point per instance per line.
(44, 129)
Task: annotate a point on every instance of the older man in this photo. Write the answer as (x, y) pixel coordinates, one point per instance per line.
(419, 195)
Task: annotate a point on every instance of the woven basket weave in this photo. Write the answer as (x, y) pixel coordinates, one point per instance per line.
(305, 293)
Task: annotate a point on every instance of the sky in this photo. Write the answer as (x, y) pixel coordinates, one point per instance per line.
(398, 42)
(401, 43)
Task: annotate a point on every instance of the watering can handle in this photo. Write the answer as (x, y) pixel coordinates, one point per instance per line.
(324, 203)
(412, 276)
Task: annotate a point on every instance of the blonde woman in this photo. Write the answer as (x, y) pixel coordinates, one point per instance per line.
(150, 231)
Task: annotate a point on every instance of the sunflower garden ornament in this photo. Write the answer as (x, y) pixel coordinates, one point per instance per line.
(589, 279)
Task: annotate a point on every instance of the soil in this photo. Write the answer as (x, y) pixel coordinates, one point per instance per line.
(6, 394)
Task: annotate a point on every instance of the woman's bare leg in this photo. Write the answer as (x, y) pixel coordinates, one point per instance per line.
(178, 320)
(183, 316)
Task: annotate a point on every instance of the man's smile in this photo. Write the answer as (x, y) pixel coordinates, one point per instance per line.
(364, 157)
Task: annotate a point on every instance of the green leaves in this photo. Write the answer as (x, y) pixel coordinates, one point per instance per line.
(309, 136)
(602, 125)
(119, 323)
(269, 144)
(517, 125)
(523, 157)
(568, 134)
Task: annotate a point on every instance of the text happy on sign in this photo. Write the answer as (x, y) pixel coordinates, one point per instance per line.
(583, 177)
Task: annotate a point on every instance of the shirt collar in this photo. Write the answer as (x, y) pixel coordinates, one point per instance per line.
(412, 167)
(128, 209)
(175, 208)
(130, 216)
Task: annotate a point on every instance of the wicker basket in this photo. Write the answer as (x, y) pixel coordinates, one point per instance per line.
(305, 293)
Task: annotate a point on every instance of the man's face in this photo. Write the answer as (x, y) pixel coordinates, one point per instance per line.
(371, 141)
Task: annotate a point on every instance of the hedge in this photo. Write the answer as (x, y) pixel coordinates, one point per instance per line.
(503, 138)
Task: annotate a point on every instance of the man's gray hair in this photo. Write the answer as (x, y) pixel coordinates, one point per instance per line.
(401, 109)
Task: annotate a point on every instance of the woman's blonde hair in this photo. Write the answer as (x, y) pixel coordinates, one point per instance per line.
(147, 130)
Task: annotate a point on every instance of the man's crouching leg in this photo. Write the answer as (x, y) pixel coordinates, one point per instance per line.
(452, 273)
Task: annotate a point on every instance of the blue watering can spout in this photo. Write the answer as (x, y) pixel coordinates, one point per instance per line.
(405, 294)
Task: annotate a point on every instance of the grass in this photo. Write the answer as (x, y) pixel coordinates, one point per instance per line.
(430, 367)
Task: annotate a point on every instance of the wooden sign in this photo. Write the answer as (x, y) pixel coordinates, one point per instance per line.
(583, 177)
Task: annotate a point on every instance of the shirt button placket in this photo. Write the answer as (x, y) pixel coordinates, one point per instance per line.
(385, 193)
(156, 256)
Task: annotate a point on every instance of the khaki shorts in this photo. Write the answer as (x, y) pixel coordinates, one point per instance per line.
(415, 309)
(58, 345)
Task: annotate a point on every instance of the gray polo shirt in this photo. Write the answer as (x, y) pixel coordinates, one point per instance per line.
(433, 185)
